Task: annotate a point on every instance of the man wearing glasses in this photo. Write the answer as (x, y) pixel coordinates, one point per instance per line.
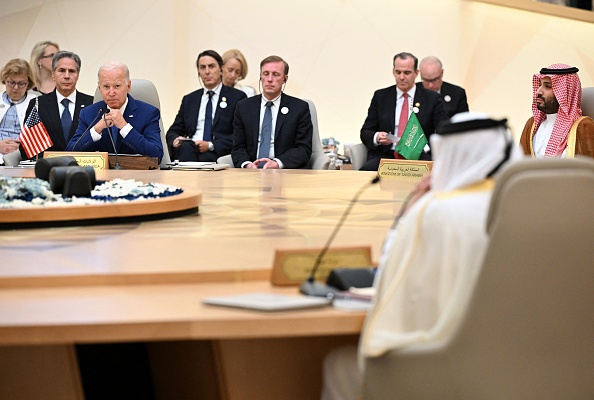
(18, 79)
(454, 97)
(59, 109)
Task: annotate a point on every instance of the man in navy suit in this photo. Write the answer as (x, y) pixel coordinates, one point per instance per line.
(454, 97)
(134, 124)
(380, 129)
(272, 130)
(193, 137)
(51, 108)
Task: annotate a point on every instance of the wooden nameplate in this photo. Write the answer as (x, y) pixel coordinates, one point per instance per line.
(404, 169)
(292, 267)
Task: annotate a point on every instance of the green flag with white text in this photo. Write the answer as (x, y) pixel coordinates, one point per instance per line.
(413, 139)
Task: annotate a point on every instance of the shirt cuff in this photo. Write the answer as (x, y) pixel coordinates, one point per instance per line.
(125, 130)
(96, 136)
(280, 163)
(210, 146)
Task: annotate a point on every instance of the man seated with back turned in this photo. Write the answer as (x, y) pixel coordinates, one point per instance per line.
(134, 124)
(272, 130)
(432, 257)
(59, 110)
(557, 128)
(390, 109)
(203, 127)
(454, 97)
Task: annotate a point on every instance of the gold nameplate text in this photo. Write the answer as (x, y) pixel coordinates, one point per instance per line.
(97, 160)
(404, 169)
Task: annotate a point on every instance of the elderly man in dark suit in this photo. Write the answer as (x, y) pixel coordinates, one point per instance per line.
(272, 130)
(203, 127)
(390, 109)
(454, 97)
(59, 109)
(132, 124)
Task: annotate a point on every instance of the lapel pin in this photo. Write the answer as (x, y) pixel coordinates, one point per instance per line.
(285, 110)
(223, 104)
(417, 104)
(415, 110)
(447, 98)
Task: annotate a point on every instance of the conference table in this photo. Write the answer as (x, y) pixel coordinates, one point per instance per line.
(143, 281)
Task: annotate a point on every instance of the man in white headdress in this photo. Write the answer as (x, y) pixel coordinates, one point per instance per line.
(432, 257)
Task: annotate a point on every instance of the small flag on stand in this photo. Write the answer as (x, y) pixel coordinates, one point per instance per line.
(413, 139)
(34, 137)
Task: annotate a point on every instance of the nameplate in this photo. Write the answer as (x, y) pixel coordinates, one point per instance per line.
(404, 169)
(292, 267)
(97, 160)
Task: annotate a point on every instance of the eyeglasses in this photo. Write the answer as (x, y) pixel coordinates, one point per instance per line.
(12, 84)
(49, 56)
(428, 81)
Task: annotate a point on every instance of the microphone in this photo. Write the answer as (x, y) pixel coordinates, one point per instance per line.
(312, 288)
(86, 130)
(117, 163)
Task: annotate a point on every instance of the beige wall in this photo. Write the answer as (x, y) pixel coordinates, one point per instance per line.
(339, 51)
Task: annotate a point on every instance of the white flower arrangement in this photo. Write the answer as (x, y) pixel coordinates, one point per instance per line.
(33, 192)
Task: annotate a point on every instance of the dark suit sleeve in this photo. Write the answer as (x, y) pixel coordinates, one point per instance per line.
(371, 124)
(239, 153)
(298, 150)
(223, 129)
(149, 141)
(378, 120)
(179, 126)
(78, 142)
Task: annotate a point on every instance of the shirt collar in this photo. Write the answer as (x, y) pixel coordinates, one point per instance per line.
(8, 100)
(411, 92)
(72, 97)
(275, 101)
(216, 90)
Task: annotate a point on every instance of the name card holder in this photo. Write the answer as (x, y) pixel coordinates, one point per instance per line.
(97, 160)
(404, 169)
(292, 267)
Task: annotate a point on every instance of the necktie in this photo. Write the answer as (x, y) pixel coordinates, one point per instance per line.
(66, 119)
(207, 136)
(266, 134)
(402, 121)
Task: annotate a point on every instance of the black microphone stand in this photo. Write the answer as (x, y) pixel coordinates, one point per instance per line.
(312, 288)
(117, 163)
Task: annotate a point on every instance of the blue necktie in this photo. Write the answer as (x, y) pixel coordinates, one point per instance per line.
(266, 134)
(66, 119)
(207, 136)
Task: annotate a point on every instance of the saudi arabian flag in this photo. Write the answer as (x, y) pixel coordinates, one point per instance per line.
(413, 139)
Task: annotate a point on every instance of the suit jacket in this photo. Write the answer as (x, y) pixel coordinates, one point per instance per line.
(144, 138)
(381, 117)
(454, 99)
(186, 119)
(292, 133)
(49, 113)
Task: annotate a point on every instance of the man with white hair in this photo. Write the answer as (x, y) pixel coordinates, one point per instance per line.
(434, 254)
(133, 124)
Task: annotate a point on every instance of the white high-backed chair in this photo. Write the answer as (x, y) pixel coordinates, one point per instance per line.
(528, 332)
(145, 90)
(318, 159)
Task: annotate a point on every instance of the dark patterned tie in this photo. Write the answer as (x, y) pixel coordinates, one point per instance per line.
(266, 135)
(207, 136)
(66, 119)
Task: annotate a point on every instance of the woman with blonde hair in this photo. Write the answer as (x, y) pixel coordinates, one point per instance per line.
(18, 79)
(41, 62)
(235, 69)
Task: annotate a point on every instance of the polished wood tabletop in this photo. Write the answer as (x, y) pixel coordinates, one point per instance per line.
(244, 216)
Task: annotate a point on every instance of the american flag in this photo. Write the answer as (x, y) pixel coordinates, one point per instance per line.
(34, 136)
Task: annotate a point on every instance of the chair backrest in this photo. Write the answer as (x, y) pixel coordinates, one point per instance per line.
(528, 332)
(145, 90)
(318, 159)
(588, 101)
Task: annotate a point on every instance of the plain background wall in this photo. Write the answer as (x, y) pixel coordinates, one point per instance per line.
(339, 51)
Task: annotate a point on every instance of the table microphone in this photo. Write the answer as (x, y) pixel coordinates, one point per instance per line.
(86, 130)
(312, 288)
(117, 163)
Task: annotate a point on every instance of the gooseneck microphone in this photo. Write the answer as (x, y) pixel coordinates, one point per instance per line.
(86, 130)
(117, 163)
(312, 288)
